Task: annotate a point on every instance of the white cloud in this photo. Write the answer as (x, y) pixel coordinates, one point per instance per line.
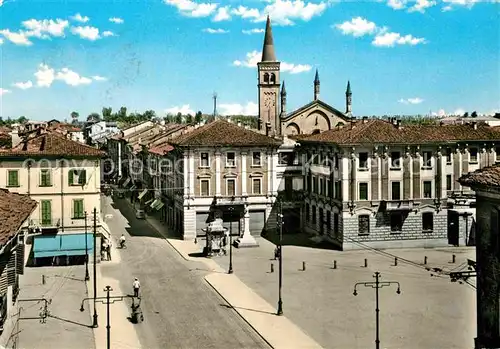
(415, 100)
(107, 33)
(79, 18)
(1, 3)
(252, 58)
(116, 20)
(19, 38)
(1, 41)
(457, 3)
(99, 78)
(390, 39)
(397, 4)
(3, 91)
(184, 110)
(87, 32)
(72, 78)
(421, 5)
(45, 76)
(246, 13)
(45, 28)
(250, 108)
(357, 27)
(253, 31)
(222, 14)
(443, 113)
(215, 31)
(191, 8)
(24, 85)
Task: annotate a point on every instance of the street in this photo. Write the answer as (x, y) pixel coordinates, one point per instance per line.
(180, 309)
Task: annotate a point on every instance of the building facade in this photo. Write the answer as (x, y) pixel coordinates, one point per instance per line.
(486, 184)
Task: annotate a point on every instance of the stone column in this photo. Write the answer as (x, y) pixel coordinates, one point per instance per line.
(244, 179)
(217, 173)
(246, 239)
(344, 168)
(119, 159)
(444, 193)
(192, 174)
(269, 167)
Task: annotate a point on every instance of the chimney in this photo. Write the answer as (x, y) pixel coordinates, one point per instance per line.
(16, 139)
(239, 123)
(398, 123)
(474, 125)
(365, 119)
(247, 127)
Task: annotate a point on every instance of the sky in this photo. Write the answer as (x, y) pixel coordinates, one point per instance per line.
(402, 57)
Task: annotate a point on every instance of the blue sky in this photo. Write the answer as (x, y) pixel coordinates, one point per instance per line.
(402, 57)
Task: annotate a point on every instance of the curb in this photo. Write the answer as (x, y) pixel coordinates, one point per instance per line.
(237, 312)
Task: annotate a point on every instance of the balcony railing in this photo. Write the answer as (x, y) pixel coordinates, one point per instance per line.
(291, 195)
(68, 221)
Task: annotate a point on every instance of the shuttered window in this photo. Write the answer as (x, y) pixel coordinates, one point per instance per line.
(13, 178)
(77, 177)
(78, 210)
(46, 207)
(45, 178)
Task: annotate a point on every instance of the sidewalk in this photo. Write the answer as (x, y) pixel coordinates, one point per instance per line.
(278, 331)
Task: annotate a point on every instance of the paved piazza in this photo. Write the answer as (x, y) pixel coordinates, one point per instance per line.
(431, 311)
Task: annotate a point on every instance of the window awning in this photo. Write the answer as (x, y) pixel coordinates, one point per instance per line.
(62, 245)
(160, 205)
(127, 181)
(155, 203)
(141, 195)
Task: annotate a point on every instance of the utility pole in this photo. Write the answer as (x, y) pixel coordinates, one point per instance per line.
(87, 276)
(280, 283)
(214, 97)
(108, 326)
(376, 285)
(95, 323)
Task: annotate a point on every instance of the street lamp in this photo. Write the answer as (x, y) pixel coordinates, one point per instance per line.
(230, 271)
(280, 283)
(95, 323)
(87, 276)
(376, 285)
(108, 326)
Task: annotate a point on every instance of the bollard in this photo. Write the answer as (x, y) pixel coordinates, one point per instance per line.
(366, 263)
(425, 260)
(303, 266)
(395, 261)
(272, 268)
(334, 264)
(43, 279)
(453, 258)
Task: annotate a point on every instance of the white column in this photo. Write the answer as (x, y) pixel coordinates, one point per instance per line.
(410, 168)
(345, 176)
(379, 176)
(246, 239)
(192, 173)
(244, 178)
(276, 183)
(186, 173)
(269, 164)
(443, 176)
(217, 173)
(460, 155)
(119, 159)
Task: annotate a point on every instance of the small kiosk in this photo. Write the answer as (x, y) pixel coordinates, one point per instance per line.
(215, 233)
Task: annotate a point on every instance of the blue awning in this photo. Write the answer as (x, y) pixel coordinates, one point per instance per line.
(62, 245)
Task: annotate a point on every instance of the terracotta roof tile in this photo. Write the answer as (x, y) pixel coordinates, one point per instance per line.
(487, 176)
(51, 144)
(381, 131)
(223, 133)
(161, 149)
(14, 210)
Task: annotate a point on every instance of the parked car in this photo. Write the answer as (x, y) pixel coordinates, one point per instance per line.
(140, 214)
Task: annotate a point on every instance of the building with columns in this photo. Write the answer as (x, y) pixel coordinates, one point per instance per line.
(219, 163)
(376, 183)
(486, 184)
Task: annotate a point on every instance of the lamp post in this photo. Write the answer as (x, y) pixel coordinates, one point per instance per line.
(376, 285)
(230, 271)
(87, 276)
(108, 326)
(280, 282)
(95, 324)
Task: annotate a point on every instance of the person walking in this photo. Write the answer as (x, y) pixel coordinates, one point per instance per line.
(108, 251)
(136, 285)
(104, 250)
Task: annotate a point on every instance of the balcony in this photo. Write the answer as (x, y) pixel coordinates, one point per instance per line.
(397, 205)
(68, 222)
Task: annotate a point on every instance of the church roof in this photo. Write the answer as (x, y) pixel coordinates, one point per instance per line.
(221, 133)
(312, 104)
(268, 54)
(381, 131)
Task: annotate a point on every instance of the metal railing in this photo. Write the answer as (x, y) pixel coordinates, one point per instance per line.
(57, 222)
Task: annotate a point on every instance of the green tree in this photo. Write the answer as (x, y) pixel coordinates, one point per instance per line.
(149, 115)
(474, 114)
(93, 117)
(107, 114)
(189, 119)
(22, 120)
(178, 118)
(198, 117)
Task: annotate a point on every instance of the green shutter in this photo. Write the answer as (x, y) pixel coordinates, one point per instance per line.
(78, 208)
(45, 180)
(82, 177)
(70, 177)
(46, 212)
(13, 180)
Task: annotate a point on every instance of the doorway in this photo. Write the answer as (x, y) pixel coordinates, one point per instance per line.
(453, 228)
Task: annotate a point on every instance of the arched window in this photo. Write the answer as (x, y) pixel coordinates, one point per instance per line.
(266, 77)
(273, 78)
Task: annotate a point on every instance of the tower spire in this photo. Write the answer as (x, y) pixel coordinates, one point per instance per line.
(316, 86)
(268, 54)
(348, 99)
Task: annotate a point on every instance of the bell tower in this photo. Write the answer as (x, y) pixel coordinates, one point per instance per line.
(269, 86)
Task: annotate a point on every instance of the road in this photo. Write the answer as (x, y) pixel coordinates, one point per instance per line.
(180, 308)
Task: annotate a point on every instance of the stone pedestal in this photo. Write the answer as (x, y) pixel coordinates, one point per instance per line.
(246, 239)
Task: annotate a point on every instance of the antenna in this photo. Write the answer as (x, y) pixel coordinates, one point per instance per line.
(214, 96)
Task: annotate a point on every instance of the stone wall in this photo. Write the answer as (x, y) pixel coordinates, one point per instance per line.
(381, 236)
